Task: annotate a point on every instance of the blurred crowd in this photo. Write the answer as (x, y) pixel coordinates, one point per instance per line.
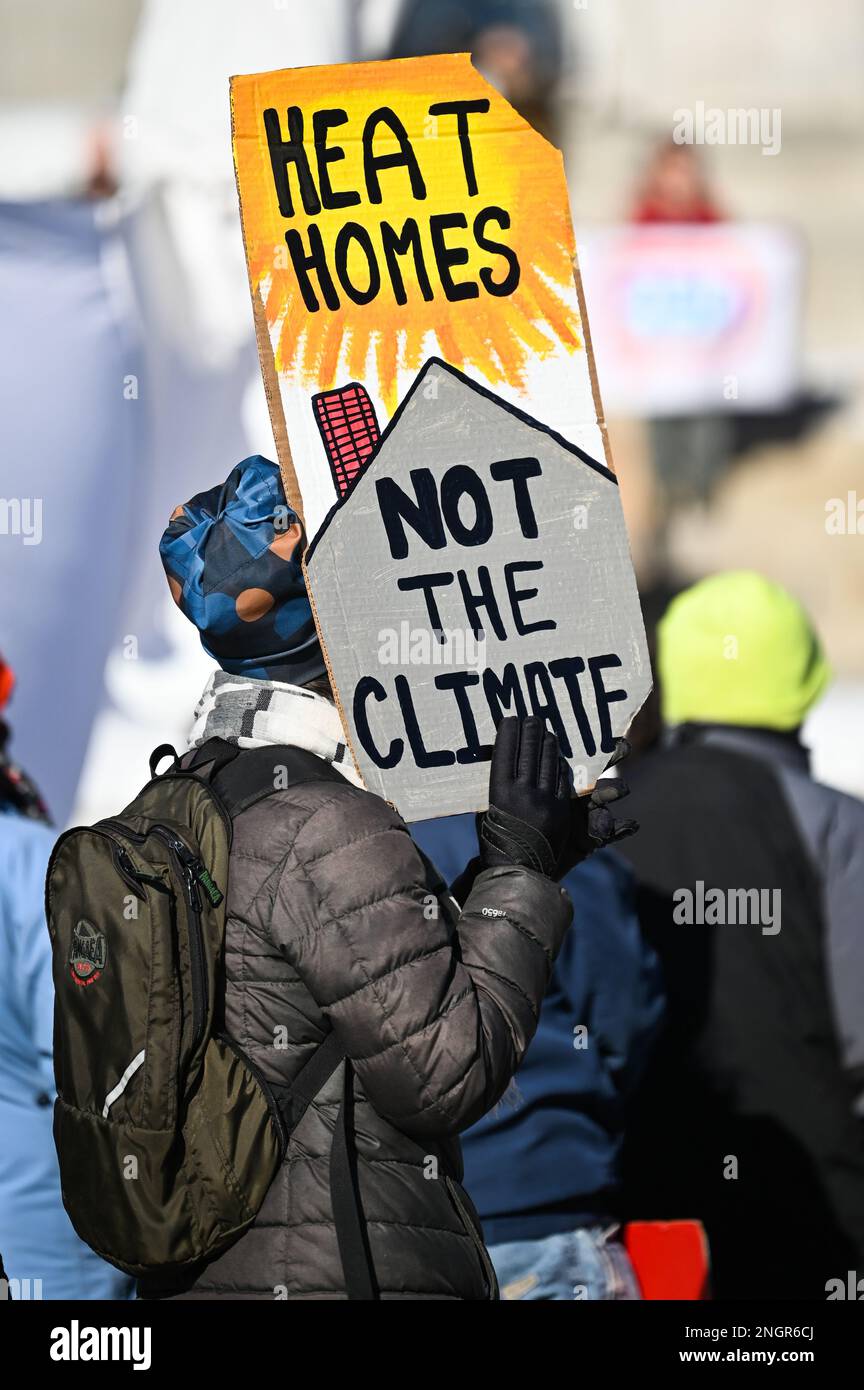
(723, 1082)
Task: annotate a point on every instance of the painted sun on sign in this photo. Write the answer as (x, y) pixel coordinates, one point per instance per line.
(392, 212)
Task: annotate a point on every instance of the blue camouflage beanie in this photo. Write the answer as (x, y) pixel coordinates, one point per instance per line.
(232, 557)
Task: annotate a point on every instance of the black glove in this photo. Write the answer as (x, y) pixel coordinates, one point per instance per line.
(592, 824)
(540, 835)
(530, 789)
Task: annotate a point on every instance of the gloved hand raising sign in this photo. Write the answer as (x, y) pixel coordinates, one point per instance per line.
(534, 819)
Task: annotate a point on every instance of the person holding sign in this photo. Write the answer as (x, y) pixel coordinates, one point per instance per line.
(338, 926)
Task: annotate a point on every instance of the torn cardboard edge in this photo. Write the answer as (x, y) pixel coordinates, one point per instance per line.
(267, 362)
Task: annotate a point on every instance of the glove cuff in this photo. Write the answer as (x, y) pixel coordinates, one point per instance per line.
(516, 841)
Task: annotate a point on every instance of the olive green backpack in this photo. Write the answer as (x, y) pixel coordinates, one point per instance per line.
(168, 1135)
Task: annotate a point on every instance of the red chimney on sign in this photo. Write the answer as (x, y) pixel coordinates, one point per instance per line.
(349, 428)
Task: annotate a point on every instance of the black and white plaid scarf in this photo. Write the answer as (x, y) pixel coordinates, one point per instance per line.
(254, 713)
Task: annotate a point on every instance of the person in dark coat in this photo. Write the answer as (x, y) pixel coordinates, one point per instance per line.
(543, 1167)
(751, 879)
(336, 921)
(517, 45)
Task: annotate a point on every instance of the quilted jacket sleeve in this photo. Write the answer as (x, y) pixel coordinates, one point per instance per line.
(435, 1020)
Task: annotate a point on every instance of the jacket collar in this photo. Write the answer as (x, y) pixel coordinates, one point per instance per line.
(770, 745)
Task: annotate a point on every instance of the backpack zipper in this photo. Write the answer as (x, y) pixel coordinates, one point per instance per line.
(183, 852)
(272, 1103)
(188, 864)
(193, 872)
(126, 869)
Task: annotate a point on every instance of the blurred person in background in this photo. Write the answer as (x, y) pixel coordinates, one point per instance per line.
(41, 1251)
(126, 337)
(690, 453)
(751, 879)
(204, 393)
(543, 1167)
(69, 433)
(515, 44)
(674, 188)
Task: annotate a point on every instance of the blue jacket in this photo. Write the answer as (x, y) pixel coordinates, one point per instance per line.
(37, 1241)
(546, 1159)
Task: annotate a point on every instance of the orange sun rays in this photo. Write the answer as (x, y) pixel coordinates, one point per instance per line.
(516, 171)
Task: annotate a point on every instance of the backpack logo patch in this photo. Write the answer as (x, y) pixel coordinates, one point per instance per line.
(87, 953)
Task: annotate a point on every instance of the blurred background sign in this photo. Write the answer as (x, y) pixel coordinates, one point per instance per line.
(686, 318)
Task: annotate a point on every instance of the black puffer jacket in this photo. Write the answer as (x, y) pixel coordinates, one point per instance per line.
(333, 921)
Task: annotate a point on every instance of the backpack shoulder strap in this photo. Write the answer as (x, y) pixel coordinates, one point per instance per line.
(242, 776)
(258, 772)
(348, 1216)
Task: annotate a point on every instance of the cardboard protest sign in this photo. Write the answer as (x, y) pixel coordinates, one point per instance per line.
(479, 567)
(434, 403)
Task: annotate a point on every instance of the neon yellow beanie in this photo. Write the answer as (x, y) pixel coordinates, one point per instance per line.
(737, 649)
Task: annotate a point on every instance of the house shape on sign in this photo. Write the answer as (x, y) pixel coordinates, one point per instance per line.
(490, 504)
